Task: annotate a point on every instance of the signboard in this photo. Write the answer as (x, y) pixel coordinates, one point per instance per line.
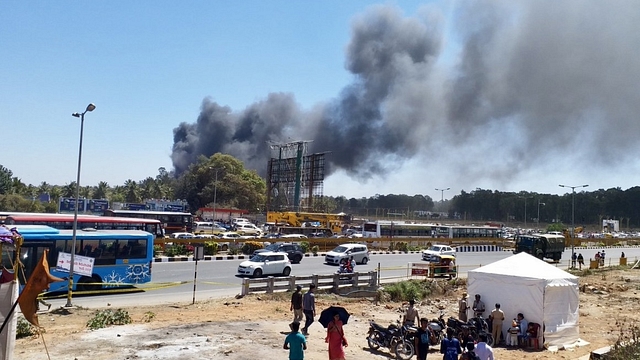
(97, 206)
(136, 207)
(416, 271)
(69, 205)
(82, 265)
(176, 208)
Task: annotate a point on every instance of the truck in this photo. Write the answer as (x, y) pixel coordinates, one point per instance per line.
(333, 223)
(550, 246)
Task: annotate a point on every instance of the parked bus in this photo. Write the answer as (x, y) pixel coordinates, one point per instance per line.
(119, 257)
(391, 229)
(172, 221)
(65, 222)
(403, 229)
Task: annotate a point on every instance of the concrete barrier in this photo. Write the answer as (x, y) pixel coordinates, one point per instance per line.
(478, 248)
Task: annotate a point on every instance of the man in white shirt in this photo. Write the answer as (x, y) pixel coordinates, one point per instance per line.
(484, 351)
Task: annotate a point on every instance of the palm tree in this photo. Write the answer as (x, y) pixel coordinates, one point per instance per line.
(132, 191)
(69, 190)
(102, 191)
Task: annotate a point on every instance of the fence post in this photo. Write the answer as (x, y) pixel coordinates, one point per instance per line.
(245, 287)
(373, 277)
(354, 280)
(336, 282)
(270, 283)
(292, 283)
(314, 280)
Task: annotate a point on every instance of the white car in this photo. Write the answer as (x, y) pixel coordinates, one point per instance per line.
(248, 229)
(229, 236)
(359, 252)
(438, 250)
(182, 235)
(266, 263)
(293, 236)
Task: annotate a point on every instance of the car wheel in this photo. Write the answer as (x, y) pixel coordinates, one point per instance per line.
(286, 271)
(257, 273)
(297, 259)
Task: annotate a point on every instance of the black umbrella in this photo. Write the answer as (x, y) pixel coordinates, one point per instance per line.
(327, 315)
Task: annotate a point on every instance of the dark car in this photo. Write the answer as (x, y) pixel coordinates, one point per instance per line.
(294, 251)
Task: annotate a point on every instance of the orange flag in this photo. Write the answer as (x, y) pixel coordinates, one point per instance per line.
(38, 282)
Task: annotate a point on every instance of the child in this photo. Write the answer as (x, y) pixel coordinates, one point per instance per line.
(295, 342)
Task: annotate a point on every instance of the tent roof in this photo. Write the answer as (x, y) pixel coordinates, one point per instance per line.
(524, 265)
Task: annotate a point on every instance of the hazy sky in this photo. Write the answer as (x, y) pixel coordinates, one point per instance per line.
(407, 97)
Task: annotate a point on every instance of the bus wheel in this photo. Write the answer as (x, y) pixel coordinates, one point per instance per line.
(86, 283)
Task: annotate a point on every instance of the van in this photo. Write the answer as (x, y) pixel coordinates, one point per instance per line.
(248, 229)
(359, 252)
(240, 221)
(207, 227)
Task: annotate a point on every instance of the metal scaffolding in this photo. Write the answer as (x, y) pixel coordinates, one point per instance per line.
(294, 178)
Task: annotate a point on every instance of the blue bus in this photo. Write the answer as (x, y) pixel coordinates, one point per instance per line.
(103, 258)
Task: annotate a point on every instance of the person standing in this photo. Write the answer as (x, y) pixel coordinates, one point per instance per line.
(295, 342)
(423, 340)
(296, 304)
(497, 317)
(450, 346)
(308, 308)
(411, 317)
(602, 258)
(335, 338)
(483, 350)
(478, 306)
(463, 306)
(580, 260)
(574, 259)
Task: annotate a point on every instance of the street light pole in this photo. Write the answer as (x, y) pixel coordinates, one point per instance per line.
(538, 218)
(90, 107)
(442, 193)
(573, 213)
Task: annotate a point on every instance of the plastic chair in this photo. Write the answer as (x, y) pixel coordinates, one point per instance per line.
(532, 335)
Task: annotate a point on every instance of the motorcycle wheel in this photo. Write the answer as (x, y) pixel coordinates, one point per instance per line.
(374, 340)
(404, 350)
(489, 339)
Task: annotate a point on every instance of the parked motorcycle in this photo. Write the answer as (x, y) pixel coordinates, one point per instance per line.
(437, 327)
(473, 328)
(394, 337)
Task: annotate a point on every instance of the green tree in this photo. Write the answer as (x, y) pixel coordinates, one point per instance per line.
(101, 191)
(132, 192)
(5, 180)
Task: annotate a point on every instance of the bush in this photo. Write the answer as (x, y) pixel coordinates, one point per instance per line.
(250, 246)
(104, 318)
(305, 246)
(24, 328)
(407, 290)
(315, 249)
(628, 344)
(176, 250)
(157, 249)
(210, 248)
(402, 246)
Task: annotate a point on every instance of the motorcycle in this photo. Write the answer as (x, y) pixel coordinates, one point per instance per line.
(437, 327)
(473, 328)
(394, 337)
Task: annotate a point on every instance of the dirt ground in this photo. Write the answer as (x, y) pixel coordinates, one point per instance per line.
(254, 327)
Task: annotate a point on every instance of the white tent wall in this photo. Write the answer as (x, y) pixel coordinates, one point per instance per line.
(523, 284)
(561, 314)
(8, 296)
(514, 295)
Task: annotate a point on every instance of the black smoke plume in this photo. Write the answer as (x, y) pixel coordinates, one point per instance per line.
(522, 82)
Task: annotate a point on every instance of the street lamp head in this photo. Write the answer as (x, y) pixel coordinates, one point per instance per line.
(91, 107)
(76, 114)
(448, 188)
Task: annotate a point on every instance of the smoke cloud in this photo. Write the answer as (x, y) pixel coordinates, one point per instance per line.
(513, 84)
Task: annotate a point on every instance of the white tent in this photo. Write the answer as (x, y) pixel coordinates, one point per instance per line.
(524, 284)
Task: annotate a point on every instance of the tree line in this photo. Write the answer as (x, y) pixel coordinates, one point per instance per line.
(223, 180)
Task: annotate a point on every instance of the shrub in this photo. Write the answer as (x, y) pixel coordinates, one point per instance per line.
(24, 328)
(628, 344)
(104, 318)
(305, 246)
(250, 246)
(210, 248)
(148, 316)
(156, 250)
(315, 249)
(407, 290)
(402, 246)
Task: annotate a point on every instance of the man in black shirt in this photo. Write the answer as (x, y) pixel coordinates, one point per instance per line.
(296, 304)
(422, 340)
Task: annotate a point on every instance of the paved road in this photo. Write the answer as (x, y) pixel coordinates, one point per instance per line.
(173, 282)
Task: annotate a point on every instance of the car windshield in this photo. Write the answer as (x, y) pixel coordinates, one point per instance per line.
(258, 258)
(435, 248)
(272, 247)
(340, 249)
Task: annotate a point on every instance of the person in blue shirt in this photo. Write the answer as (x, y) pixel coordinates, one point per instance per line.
(450, 346)
(295, 342)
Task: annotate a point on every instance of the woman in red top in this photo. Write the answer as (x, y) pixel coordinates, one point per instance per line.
(335, 338)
